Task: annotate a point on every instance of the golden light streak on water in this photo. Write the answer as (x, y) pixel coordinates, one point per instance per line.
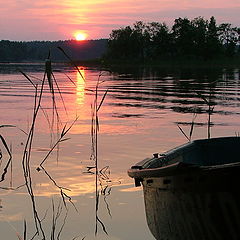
(80, 88)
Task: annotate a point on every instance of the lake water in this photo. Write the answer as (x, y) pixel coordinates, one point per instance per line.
(139, 116)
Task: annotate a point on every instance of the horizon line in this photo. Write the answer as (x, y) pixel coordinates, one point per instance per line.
(86, 40)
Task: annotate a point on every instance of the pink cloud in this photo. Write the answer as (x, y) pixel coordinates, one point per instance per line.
(57, 19)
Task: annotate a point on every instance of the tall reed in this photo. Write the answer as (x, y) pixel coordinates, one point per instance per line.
(95, 129)
(189, 136)
(209, 112)
(26, 160)
(96, 106)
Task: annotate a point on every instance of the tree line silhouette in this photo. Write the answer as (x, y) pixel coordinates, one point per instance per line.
(38, 50)
(189, 39)
(186, 39)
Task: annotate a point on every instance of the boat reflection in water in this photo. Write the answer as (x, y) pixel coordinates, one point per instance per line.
(191, 192)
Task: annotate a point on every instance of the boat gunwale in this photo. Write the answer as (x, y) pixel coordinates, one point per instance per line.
(179, 168)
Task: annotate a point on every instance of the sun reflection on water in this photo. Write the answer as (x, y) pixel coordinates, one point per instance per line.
(80, 88)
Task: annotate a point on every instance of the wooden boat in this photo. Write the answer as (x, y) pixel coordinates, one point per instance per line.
(193, 191)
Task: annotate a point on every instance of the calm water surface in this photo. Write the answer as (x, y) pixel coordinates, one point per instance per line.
(139, 117)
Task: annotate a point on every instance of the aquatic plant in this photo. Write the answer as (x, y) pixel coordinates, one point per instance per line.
(100, 174)
(95, 128)
(58, 212)
(26, 160)
(189, 136)
(210, 107)
(209, 111)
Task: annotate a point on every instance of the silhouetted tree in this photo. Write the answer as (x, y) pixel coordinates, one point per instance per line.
(140, 39)
(120, 43)
(200, 26)
(229, 37)
(183, 33)
(194, 39)
(213, 45)
(160, 44)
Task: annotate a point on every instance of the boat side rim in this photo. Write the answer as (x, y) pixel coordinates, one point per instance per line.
(178, 168)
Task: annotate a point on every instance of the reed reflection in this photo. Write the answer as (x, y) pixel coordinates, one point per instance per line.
(80, 86)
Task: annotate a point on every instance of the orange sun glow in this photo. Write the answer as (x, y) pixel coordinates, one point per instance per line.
(80, 36)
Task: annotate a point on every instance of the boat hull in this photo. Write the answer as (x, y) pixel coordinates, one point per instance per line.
(200, 204)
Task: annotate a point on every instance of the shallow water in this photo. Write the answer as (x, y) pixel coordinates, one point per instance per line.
(138, 117)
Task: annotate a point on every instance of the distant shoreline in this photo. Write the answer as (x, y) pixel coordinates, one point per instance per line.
(175, 63)
(180, 63)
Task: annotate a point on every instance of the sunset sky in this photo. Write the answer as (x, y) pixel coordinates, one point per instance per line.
(25, 20)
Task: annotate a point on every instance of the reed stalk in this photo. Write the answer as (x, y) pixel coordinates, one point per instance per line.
(189, 136)
(95, 128)
(209, 112)
(26, 160)
(94, 133)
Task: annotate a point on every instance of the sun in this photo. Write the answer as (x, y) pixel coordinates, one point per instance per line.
(80, 36)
